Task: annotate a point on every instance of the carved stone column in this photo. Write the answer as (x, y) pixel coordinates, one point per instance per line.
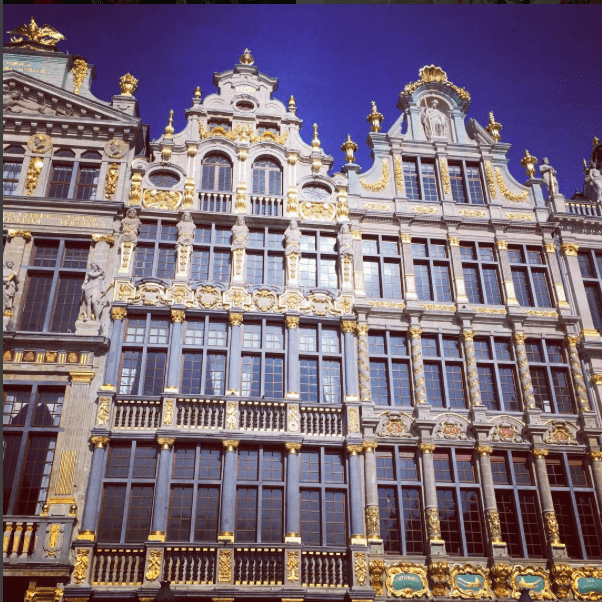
(159, 523)
(408, 266)
(234, 362)
(418, 366)
(502, 249)
(358, 535)
(561, 302)
(293, 365)
(557, 548)
(293, 530)
(577, 372)
(433, 526)
(226, 531)
(596, 460)
(494, 528)
(172, 381)
(523, 369)
(118, 315)
(91, 507)
(363, 362)
(456, 262)
(351, 371)
(372, 512)
(471, 368)
(292, 269)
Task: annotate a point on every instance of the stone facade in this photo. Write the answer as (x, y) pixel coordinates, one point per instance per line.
(371, 384)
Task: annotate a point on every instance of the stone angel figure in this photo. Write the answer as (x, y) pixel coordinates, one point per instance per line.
(130, 227)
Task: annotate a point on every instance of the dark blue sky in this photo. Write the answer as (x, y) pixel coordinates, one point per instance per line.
(538, 68)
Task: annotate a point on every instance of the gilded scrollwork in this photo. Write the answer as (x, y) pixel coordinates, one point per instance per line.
(153, 569)
(382, 183)
(292, 565)
(406, 580)
(161, 199)
(372, 521)
(561, 576)
(587, 583)
(225, 566)
(445, 176)
(439, 577)
(377, 570)
(168, 411)
(102, 414)
(533, 578)
(33, 174)
(470, 582)
(360, 567)
(500, 572)
(511, 196)
(82, 561)
(321, 212)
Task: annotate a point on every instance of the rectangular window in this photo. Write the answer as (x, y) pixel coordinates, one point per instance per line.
(87, 183)
(10, 177)
(431, 274)
(457, 184)
(60, 181)
(590, 263)
(410, 176)
(475, 186)
(530, 278)
(429, 181)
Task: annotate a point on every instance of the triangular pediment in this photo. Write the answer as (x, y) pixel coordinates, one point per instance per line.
(25, 96)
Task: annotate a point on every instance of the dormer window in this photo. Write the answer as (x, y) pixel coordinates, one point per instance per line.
(219, 123)
(217, 174)
(267, 177)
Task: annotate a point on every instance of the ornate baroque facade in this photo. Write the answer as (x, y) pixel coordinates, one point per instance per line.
(228, 370)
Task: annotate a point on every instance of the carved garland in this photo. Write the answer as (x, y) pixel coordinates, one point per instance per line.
(511, 196)
(382, 183)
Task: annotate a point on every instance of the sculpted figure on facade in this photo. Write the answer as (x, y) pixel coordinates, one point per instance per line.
(130, 228)
(434, 120)
(292, 238)
(9, 280)
(93, 292)
(240, 234)
(345, 241)
(548, 173)
(593, 183)
(14, 102)
(186, 230)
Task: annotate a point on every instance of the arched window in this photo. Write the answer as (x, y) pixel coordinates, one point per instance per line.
(64, 152)
(15, 150)
(91, 155)
(267, 177)
(217, 174)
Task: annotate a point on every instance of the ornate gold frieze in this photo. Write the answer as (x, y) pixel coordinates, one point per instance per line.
(292, 447)
(413, 573)
(231, 415)
(224, 574)
(470, 582)
(391, 304)
(439, 576)
(161, 199)
(372, 521)
(377, 570)
(82, 560)
(178, 315)
(520, 217)
(472, 213)
(382, 183)
(168, 411)
(489, 310)
(540, 313)
(321, 212)
(424, 210)
(587, 582)
(378, 207)
(353, 424)
(533, 578)
(136, 189)
(562, 575)
(494, 526)
(165, 443)
(292, 565)
(500, 572)
(438, 307)
(552, 529)
(360, 567)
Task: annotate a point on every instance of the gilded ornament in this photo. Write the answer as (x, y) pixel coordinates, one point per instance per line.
(293, 418)
(533, 578)
(490, 180)
(587, 583)
(33, 174)
(439, 576)
(178, 315)
(99, 441)
(431, 73)
(561, 576)
(377, 207)
(470, 582)
(230, 444)
(188, 201)
(103, 238)
(398, 173)
(225, 566)
(484, 450)
(569, 249)
(511, 196)
(22, 233)
(349, 147)
(494, 526)
(445, 176)
(382, 183)
(472, 213)
(356, 234)
(235, 319)
(315, 143)
(82, 560)
(119, 313)
(552, 529)
(489, 310)
(595, 455)
(232, 415)
(353, 420)
(424, 210)
(128, 84)
(136, 189)
(166, 153)
(539, 453)
(377, 570)
(433, 525)
(354, 450)
(406, 580)
(292, 206)
(321, 212)
(372, 521)
(292, 565)
(494, 128)
(528, 162)
(292, 159)
(291, 103)
(168, 133)
(590, 332)
(360, 567)
(374, 119)
(550, 247)
(168, 411)
(44, 36)
(292, 447)
(348, 326)
(500, 572)
(246, 58)
(362, 330)
(520, 338)
(165, 443)
(80, 69)
(102, 415)
(39, 143)
(391, 304)
(154, 565)
(161, 199)
(437, 307)
(115, 148)
(292, 321)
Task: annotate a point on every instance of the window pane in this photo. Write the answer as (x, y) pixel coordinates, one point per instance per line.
(442, 464)
(248, 464)
(274, 337)
(49, 408)
(274, 377)
(195, 332)
(179, 520)
(473, 527)
(159, 331)
(331, 381)
(389, 523)
(371, 278)
(509, 386)
(183, 463)
(273, 465)
(310, 467)
(412, 520)
(68, 300)
(246, 514)
(491, 285)
(487, 386)
(215, 374)
(35, 306)
(541, 289)
(139, 514)
(154, 373)
(441, 283)
(251, 375)
(334, 467)
(111, 514)
(166, 264)
(509, 522)
(252, 336)
(118, 464)
(455, 386)
(36, 475)
(145, 462)
(271, 515)
(217, 334)
(46, 254)
(16, 406)
(402, 393)
(434, 385)
(448, 519)
(521, 287)
(311, 516)
(378, 382)
(211, 462)
(423, 284)
(207, 506)
(391, 281)
(335, 518)
(590, 525)
(562, 391)
(429, 182)
(76, 256)
(410, 176)
(131, 364)
(309, 380)
(474, 185)
(308, 337)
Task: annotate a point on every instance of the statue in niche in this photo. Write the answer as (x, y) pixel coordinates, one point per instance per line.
(186, 229)
(9, 280)
(593, 181)
(345, 241)
(130, 227)
(548, 173)
(93, 292)
(240, 234)
(292, 238)
(434, 120)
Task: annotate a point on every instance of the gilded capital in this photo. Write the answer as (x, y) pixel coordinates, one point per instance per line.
(99, 441)
(165, 442)
(348, 326)
(540, 453)
(405, 237)
(369, 446)
(356, 234)
(550, 247)
(292, 321)
(502, 244)
(416, 331)
(26, 234)
(178, 315)
(426, 448)
(597, 379)
(595, 456)
(103, 238)
(520, 338)
(119, 313)
(230, 444)
(454, 241)
(354, 450)
(569, 249)
(468, 335)
(362, 330)
(235, 319)
(484, 450)
(572, 340)
(292, 447)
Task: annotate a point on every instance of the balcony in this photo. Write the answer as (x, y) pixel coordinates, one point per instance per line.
(270, 206)
(583, 208)
(215, 202)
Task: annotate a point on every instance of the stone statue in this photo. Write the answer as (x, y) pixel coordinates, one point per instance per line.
(292, 238)
(433, 120)
(345, 241)
(93, 291)
(240, 234)
(9, 278)
(14, 102)
(186, 229)
(593, 180)
(548, 173)
(130, 227)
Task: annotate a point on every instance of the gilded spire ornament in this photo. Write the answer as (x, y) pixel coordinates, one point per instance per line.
(246, 58)
(349, 147)
(128, 84)
(494, 128)
(315, 143)
(374, 119)
(291, 102)
(529, 162)
(46, 37)
(169, 126)
(198, 92)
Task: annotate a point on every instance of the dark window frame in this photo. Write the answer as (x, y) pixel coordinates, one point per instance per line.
(75, 184)
(485, 297)
(592, 281)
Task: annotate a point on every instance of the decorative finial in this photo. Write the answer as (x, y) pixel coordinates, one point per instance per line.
(45, 36)
(246, 58)
(291, 102)
(494, 128)
(349, 146)
(198, 92)
(374, 119)
(529, 162)
(169, 126)
(431, 73)
(585, 166)
(128, 84)
(316, 141)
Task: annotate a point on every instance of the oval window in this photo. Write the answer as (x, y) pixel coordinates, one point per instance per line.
(245, 106)
(316, 192)
(164, 179)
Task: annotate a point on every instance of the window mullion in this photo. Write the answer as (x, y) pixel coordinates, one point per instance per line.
(420, 182)
(466, 184)
(74, 175)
